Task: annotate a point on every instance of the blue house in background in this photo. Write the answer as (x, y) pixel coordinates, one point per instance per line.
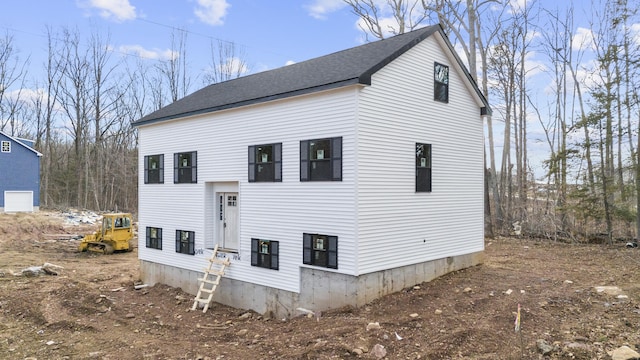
(19, 175)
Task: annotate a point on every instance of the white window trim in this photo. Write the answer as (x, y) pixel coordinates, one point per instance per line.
(8, 144)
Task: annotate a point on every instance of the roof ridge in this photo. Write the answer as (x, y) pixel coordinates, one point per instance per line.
(345, 67)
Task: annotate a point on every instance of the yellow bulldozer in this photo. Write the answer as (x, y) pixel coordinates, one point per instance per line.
(114, 235)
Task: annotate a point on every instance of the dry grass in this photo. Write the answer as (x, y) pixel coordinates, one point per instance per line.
(26, 226)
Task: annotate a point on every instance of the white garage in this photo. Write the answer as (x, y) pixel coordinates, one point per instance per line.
(18, 201)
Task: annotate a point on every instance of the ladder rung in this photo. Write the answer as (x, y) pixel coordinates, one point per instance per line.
(214, 273)
(208, 291)
(214, 282)
(203, 300)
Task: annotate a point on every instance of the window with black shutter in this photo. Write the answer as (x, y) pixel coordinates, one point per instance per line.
(185, 241)
(320, 250)
(185, 167)
(321, 159)
(264, 253)
(423, 167)
(154, 169)
(265, 163)
(154, 238)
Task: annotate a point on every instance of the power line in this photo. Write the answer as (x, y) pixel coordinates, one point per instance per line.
(137, 54)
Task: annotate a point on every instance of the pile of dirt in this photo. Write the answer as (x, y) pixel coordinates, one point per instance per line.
(92, 310)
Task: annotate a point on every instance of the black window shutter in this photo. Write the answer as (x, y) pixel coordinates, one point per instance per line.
(159, 239)
(194, 167)
(277, 162)
(175, 168)
(252, 165)
(192, 236)
(148, 236)
(161, 168)
(306, 249)
(332, 252)
(178, 241)
(304, 160)
(429, 168)
(273, 250)
(421, 179)
(336, 159)
(146, 172)
(254, 252)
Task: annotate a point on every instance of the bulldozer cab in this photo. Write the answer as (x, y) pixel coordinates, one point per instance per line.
(116, 222)
(116, 227)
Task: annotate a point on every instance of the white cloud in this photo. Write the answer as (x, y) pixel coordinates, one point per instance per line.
(154, 54)
(212, 12)
(583, 39)
(320, 8)
(289, 62)
(234, 65)
(517, 6)
(25, 94)
(117, 10)
(587, 75)
(635, 33)
(387, 24)
(387, 21)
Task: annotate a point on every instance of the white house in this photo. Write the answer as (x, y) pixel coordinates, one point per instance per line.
(327, 183)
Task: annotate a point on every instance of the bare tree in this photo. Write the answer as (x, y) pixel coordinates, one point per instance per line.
(74, 99)
(174, 70)
(558, 47)
(12, 70)
(227, 62)
(105, 95)
(391, 17)
(45, 103)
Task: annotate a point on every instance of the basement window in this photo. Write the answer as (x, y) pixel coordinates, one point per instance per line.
(320, 250)
(264, 253)
(154, 238)
(185, 241)
(154, 169)
(6, 146)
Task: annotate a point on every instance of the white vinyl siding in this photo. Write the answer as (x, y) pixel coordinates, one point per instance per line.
(380, 220)
(398, 226)
(276, 211)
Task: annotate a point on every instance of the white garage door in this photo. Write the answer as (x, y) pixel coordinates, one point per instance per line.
(15, 201)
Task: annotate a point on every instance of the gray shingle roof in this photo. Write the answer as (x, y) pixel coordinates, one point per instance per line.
(347, 67)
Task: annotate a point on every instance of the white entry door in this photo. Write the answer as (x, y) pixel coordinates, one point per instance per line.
(230, 221)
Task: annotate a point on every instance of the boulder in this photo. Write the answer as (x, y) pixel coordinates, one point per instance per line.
(624, 353)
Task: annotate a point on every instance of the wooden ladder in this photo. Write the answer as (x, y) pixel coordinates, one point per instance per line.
(210, 280)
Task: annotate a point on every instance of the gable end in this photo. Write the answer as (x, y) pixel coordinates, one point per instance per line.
(365, 78)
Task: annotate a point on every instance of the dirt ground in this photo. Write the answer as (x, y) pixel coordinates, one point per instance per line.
(91, 310)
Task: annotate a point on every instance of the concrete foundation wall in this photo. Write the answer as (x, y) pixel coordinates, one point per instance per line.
(319, 290)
